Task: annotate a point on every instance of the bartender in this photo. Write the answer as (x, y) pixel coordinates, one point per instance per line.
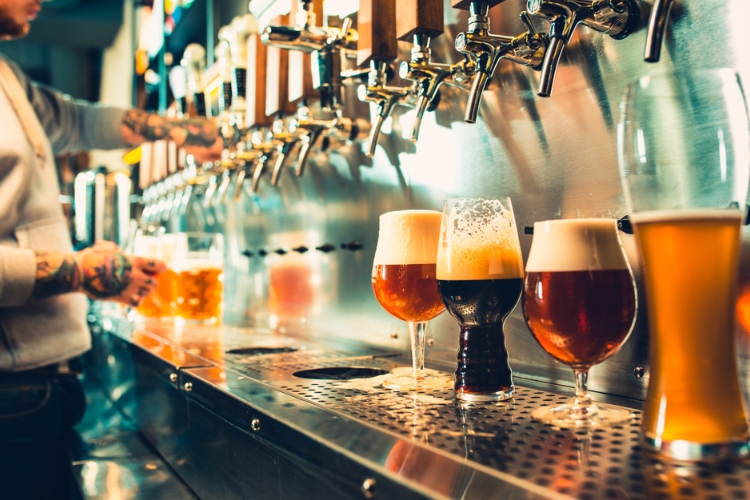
(43, 282)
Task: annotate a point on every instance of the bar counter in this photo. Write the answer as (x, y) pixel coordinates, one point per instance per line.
(224, 408)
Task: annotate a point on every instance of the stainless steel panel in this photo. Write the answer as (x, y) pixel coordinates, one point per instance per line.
(555, 157)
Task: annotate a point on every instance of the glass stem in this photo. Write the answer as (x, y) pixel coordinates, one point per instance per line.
(416, 338)
(582, 399)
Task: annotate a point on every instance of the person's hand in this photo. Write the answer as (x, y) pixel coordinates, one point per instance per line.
(108, 274)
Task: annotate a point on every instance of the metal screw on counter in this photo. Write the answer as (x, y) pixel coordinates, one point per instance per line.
(487, 49)
(419, 21)
(616, 18)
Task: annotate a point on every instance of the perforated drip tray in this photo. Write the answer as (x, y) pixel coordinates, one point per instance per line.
(587, 465)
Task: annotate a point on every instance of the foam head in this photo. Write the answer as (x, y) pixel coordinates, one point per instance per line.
(408, 237)
(479, 241)
(576, 245)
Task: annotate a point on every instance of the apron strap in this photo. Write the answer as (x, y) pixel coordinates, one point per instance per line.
(25, 112)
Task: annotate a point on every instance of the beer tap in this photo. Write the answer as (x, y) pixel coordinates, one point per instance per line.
(657, 27)
(194, 62)
(487, 49)
(328, 46)
(420, 21)
(378, 46)
(287, 138)
(616, 18)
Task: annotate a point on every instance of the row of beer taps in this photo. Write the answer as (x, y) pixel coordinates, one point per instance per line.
(252, 150)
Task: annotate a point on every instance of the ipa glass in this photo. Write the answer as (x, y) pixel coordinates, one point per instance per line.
(684, 148)
(480, 274)
(403, 280)
(198, 262)
(579, 302)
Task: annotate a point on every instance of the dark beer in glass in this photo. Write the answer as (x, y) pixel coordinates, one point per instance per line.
(480, 274)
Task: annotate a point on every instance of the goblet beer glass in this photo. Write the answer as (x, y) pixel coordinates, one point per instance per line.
(579, 303)
(480, 274)
(403, 280)
(683, 151)
(199, 264)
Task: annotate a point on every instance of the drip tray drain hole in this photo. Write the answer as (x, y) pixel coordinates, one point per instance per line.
(340, 373)
(256, 351)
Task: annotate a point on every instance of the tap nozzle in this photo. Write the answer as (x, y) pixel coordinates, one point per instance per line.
(286, 141)
(385, 97)
(430, 76)
(486, 50)
(310, 131)
(616, 18)
(657, 27)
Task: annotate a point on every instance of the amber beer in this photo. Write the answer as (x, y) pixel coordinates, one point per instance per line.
(160, 303)
(480, 277)
(199, 293)
(579, 297)
(690, 262)
(403, 271)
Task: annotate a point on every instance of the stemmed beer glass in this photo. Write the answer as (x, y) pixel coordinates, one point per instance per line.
(684, 149)
(403, 280)
(479, 271)
(579, 302)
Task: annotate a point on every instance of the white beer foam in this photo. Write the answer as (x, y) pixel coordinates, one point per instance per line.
(667, 215)
(408, 237)
(479, 241)
(576, 245)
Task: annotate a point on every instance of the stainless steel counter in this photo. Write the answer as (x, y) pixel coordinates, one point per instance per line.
(242, 425)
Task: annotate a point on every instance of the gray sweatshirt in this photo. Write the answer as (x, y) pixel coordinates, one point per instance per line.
(38, 122)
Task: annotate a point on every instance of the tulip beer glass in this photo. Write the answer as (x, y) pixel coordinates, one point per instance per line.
(403, 280)
(579, 303)
(480, 274)
(199, 263)
(683, 151)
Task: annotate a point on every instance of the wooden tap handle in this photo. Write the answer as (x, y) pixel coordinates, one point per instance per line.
(376, 24)
(464, 4)
(256, 83)
(418, 17)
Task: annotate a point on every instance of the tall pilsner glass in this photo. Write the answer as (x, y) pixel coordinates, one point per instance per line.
(480, 275)
(684, 149)
(403, 280)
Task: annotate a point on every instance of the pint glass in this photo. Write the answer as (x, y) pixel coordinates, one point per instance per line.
(199, 264)
(683, 152)
(160, 303)
(480, 274)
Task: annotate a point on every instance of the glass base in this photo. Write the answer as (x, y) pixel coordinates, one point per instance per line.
(502, 395)
(402, 379)
(695, 452)
(593, 416)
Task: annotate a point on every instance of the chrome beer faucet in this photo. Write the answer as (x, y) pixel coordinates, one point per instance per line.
(657, 28)
(487, 49)
(328, 47)
(616, 18)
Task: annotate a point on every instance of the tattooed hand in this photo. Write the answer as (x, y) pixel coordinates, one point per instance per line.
(102, 273)
(199, 137)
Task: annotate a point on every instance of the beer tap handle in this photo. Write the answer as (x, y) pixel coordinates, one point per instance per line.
(657, 28)
(194, 62)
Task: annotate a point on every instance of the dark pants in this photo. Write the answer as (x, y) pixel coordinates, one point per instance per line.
(37, 413)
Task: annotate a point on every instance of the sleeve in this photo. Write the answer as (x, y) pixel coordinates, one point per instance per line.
(73, 124)
(17, 275)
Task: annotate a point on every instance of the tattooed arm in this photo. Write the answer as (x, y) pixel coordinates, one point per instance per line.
(102, 273)
(199, 137)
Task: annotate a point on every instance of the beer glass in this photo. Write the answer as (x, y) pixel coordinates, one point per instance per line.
(480, 274)
(683, 152)
(403, 280)
(579, 302)
(198, 262)
(159, 303)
